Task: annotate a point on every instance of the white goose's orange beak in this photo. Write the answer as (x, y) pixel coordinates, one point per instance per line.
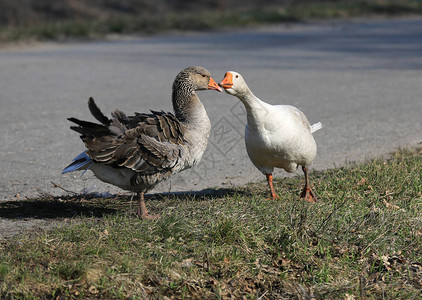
(212, 85)
(227, 81)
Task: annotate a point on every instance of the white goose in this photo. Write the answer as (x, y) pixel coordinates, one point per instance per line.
(276, 136)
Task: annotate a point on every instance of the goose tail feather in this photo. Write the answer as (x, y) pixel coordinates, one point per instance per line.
(316, 127)
(80, 162)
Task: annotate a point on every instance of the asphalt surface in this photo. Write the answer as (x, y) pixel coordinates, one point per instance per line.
(362, 79)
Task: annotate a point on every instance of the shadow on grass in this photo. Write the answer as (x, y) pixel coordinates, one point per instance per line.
(52, 208)
(206, 194)
(68, 206)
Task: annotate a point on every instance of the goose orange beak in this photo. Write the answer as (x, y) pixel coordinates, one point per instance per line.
(212, 85)
(227, 82)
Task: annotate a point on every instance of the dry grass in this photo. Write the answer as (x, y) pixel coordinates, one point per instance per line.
(362, 240)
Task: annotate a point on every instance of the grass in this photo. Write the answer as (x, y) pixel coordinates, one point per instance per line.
(94, 27)
(363, 239)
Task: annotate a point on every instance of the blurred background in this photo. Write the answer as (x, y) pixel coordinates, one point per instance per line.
(46, 19)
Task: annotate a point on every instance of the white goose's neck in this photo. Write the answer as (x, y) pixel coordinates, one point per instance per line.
(256, 109)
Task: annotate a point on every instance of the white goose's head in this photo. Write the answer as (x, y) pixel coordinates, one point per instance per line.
(234, 84)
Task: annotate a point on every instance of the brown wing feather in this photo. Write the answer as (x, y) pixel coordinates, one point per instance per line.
(96, 112)
(146, 143)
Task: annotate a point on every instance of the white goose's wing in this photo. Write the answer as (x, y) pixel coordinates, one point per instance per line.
(300, 118)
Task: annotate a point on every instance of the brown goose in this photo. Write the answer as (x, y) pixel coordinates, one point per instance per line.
(136, 152)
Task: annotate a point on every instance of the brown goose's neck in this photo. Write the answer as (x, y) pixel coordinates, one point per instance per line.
(185, 100)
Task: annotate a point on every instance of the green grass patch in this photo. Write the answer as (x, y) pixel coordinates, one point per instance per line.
(362, 239)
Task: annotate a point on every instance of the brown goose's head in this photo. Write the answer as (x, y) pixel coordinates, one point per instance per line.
(196, 78)
(186, 103)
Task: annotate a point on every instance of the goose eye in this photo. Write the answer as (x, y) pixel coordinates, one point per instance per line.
(203, 75)
(237, 76)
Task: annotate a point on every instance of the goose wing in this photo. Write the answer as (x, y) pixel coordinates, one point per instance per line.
(145, 143)
(303, 120)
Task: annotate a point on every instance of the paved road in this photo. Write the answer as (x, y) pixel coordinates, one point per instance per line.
(361, 79)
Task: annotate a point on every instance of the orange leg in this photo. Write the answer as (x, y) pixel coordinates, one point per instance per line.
(142, 209)
(270, 183)
(307, 193)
